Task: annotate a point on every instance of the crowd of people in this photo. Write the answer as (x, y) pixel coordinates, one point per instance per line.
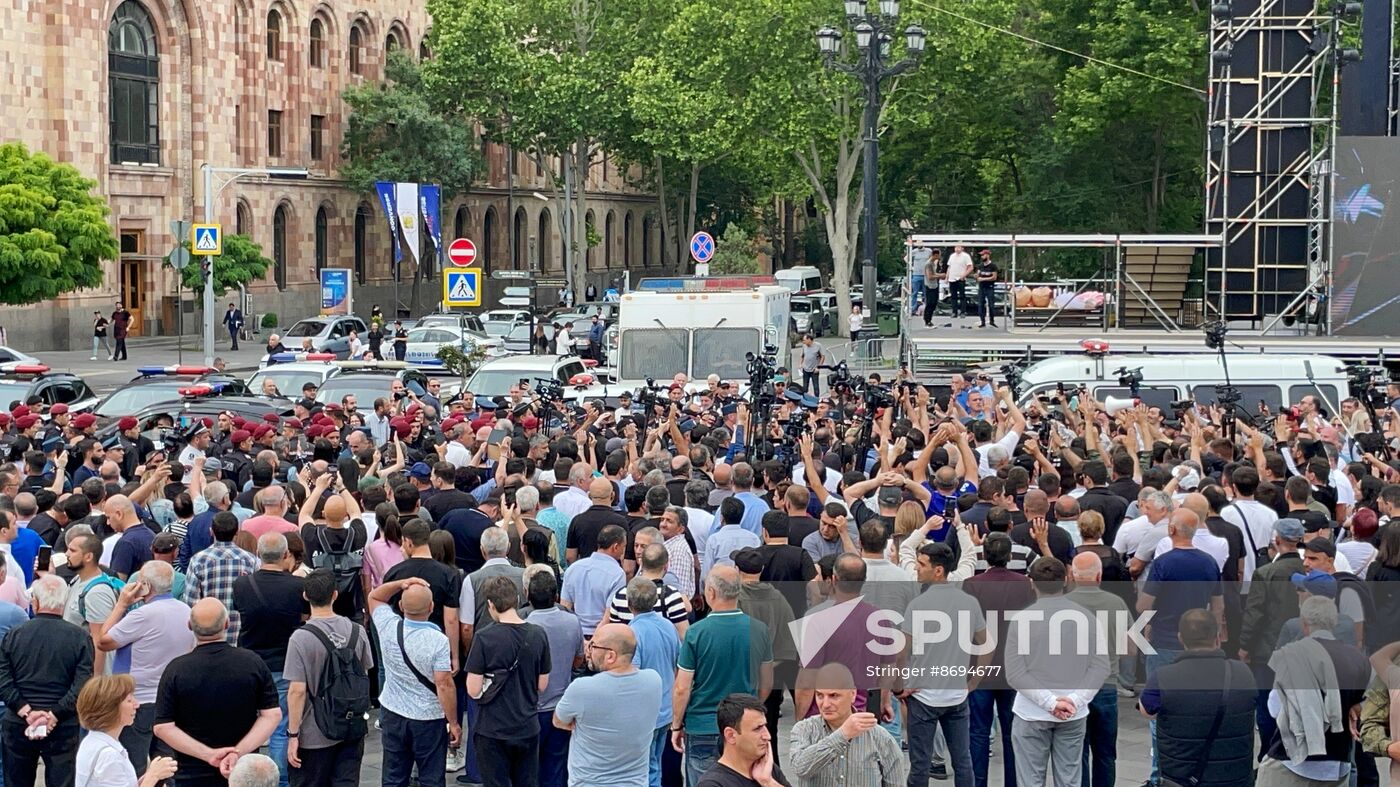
(638, 593)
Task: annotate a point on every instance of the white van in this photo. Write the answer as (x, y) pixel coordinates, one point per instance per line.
(1276, 380)
(799, 278)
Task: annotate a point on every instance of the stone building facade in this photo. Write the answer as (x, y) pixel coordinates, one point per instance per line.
(140, 94)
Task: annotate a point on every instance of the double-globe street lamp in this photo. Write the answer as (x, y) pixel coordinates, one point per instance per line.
(873, 38)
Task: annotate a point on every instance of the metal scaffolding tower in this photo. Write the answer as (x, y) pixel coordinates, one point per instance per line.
(1269, 143)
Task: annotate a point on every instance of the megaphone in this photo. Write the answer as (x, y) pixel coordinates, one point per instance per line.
(1114, 405)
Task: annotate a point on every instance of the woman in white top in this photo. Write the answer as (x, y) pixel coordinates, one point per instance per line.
(107, 705)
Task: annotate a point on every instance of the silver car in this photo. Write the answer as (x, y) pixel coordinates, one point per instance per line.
(327, 334)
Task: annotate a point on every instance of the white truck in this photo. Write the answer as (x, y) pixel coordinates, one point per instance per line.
(700, 326)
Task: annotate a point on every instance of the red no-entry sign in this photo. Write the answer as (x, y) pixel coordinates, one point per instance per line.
(462, 253)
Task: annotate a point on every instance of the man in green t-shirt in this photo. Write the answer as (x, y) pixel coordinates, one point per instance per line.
(706, 671)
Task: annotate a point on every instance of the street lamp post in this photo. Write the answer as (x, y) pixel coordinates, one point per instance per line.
(873, 38)
(232, 173)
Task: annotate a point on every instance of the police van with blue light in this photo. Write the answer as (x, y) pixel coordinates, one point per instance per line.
(287, 373)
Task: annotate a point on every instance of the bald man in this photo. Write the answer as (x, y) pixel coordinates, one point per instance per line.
(1180, 579)
(216, 703)
(865, 746)
(1100, 737)
(587, 524)
(1196, 505)
(418, 693)
(612, 714)
(133, 547)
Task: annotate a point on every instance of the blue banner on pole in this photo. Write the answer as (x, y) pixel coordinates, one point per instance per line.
(335, 291)
(430, 200)
(391, 215)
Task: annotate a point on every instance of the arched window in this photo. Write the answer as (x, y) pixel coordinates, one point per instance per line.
(279, 246)
(243, 219)
(608, 235)
(488, 234)
(322, 231)
(646, 241)
(520, 234)
(274, 35)
(356, 45)
(590, 227)
(362, 216)
(318, 44)
(424, 52)
(461, 222)
(392, 42)
(133, 67)
(627, 240)
(545, 260)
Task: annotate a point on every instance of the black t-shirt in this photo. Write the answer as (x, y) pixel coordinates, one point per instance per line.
(864, 513)
(271, 608)
(721, 775)
(511, 714)
(448, 500)
(445, 581)
(214, 694)
(466, 526)
(1223, 528)
(1061, 546)
(376, 338)
(984, 268)
(350, 605)
(1326, 495)
(585, 527)
(791, 567)
(799, 527)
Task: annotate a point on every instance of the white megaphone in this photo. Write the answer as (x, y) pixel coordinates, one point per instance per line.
(1114, 405)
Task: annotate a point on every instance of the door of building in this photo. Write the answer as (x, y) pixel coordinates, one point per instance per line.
(134, 278)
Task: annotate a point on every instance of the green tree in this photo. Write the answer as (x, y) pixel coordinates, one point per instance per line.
(400, 131)
(54, 233)
(735, 253)
(242, 262)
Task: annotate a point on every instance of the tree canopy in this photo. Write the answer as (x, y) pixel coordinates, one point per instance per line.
(241, 263)
(54, 233)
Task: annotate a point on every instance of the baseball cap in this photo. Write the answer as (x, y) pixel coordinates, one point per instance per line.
(1289, 529)
(421, 471)
(890, 496)
(613, 444)
(213, 465)
(748, 560)
(1317, 583)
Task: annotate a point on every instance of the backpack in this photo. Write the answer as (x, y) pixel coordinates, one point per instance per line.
(344, 565)
(341, 702)
(101, 579)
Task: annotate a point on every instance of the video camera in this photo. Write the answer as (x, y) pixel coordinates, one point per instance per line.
(1130, 379)
(1368, 383)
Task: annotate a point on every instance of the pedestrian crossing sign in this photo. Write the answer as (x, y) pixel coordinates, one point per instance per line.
(207, 240)
(461, 287)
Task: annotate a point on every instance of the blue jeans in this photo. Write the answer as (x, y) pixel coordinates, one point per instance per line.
(554, 752)
(1101, 739)
(981, 704)
(409, 742)
(277, 744)
(659, 740)
(916, 291)
(467, 707)
(1156, 661)
(701, 751)
(924, 721)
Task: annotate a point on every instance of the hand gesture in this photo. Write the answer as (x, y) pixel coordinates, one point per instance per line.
(132, 592)
(762, 770)
(1040, 531)
(856, 724)
(441, 449)
(806, 447)
(199, 462)
(62, 459)
(1032, 445)
(324, 480)
(934, 522)
(408, 582)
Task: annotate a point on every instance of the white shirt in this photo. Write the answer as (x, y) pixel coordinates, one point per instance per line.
(457, 455)
(830, 479)
(959, 265)
(357, 347)
(1204, 540)
(1129, 536)
(187, 457)
(854, 321)
(1342, 483)
(102, 762)
(572, 501)
(1358, 554)
(563, 343)
(1260, 534)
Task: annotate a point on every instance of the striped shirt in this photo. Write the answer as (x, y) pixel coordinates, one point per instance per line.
(681, 563)
(1021, 559)
(822, 757)
(670, 603)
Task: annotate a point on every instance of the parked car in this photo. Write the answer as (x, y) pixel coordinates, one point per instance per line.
(327, 334)
(19, 381)
(425, 340)
(471, 321)
(806, 315)
(496, 377)
(498, 322)
(155, 384)
(289, 377)
(369, 380)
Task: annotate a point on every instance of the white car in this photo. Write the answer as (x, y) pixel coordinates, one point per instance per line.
(424, 342)
(291, 375)
(499, 322)
(497, 376)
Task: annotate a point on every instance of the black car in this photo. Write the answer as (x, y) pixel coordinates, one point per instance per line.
(155, 384)
(368, 381)
(19, 381)
(183, 411)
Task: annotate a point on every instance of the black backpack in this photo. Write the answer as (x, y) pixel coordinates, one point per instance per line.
(341, 702)
(344, 564)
